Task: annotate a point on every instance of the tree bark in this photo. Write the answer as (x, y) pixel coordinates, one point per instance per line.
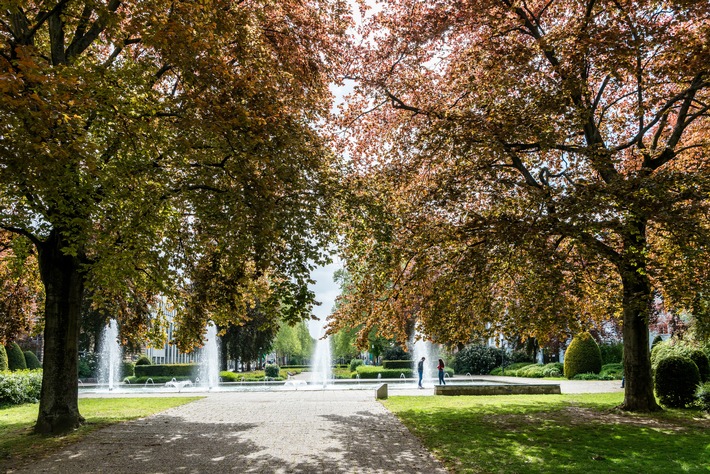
(637, 299)
(64, 285)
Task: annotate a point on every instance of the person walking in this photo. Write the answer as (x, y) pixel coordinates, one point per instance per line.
(420, 369)
(441, 372)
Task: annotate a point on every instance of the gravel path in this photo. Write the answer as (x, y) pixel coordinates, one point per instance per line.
(265, 432)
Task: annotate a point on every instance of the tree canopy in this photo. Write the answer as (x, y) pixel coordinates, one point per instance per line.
(144, 142)
(528, 167)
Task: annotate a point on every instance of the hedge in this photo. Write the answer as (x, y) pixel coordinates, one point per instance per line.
(22, 386)
(397, 364)
(371, 372)
(166, 370)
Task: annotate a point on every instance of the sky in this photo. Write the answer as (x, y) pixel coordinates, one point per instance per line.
(326, 291)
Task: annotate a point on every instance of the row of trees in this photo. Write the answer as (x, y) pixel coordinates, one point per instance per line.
(517, 168)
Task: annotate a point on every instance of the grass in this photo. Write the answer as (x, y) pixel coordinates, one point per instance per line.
(555, 433)
(18, 443)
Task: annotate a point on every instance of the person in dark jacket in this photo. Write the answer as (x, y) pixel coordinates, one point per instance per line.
(420, 369)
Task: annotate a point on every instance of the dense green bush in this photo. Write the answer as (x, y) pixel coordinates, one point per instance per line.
(3, 358)
(88, 365)
(611, 372)
(15, 357)
(397, 364)
(520, 356)
(526, 369)
(656, 340)
(22, 386)
(32, 360)
(166, 370)
(271, 370)
(396, 353)
(582, 356)
(128, 369)
(354, 364)
(144, 360)
(676, 347)
(476, 359)
(701, 360)
(676, 380)
(703, 396)
(612, 352)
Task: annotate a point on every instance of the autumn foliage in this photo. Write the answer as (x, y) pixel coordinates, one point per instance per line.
(529, 169)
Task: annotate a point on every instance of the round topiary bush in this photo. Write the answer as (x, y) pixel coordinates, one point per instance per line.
(703, 363)
(3, 358)
(582, 356)
(15, 357)
(32, 360)
(675, 381)
(271, 370)
(143, 360)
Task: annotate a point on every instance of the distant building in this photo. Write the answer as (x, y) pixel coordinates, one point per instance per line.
(169, 353)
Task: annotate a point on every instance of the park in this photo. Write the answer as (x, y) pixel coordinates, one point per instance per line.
(520, 187)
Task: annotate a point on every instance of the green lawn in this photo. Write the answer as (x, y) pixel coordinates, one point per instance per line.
(555, 433)
(18, 443)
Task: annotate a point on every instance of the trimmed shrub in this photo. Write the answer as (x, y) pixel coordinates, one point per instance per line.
(3, 358)
(15, 357)
(166, 370)
(656, 340)
(128, 369)
(355, 363)
(143, 360)
(582, 356)
(703, 396)
(371, 372)
(397, 364)
(157, 380)
(22, 386)
(676, 380)
(612, 353)
(32, 361)
(701, 360)
(476, 359)
(271, 370)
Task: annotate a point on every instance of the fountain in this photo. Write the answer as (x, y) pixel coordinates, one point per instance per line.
(423, 348)
(110, 357)
(209, 360)
(321, 367)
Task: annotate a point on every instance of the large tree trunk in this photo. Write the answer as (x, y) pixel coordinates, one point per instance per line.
(637, 299)
(64, 285)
